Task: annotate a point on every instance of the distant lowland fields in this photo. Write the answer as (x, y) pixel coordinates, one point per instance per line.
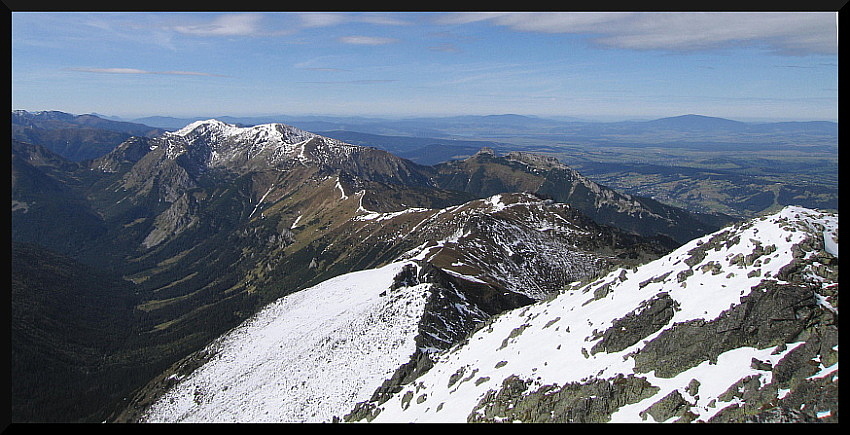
(698, 163)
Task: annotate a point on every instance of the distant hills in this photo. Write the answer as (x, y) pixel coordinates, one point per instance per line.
(453, 125)
(75, 137)
(699, 122)
(81, 137)
(708, 123)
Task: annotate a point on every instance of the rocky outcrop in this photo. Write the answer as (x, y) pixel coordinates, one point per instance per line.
(589, 402)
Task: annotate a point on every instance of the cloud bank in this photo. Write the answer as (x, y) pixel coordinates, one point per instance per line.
(784, 33)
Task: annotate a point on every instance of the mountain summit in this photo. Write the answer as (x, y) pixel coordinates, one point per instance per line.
(215, 144)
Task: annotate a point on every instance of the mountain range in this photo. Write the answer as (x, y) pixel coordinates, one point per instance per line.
(205, 225)
(458, 135)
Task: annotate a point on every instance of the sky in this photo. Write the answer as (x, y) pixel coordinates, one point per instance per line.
(590, 65)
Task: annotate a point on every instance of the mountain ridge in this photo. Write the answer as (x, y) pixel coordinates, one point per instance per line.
(529, 364)
(75, 137)
(656, 331)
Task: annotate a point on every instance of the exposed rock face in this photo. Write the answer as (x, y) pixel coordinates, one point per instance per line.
(771, 315)
(454, 309)
(591, 402)
(172, 221)
(648, 318)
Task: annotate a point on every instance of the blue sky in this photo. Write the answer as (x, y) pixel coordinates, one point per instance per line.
(604, 66)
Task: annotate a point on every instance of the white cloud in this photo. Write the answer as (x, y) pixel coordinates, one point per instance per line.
(326, 19)
(381, 19)
(111, 70)
(786, 33)
(320, 63)
(350, 82)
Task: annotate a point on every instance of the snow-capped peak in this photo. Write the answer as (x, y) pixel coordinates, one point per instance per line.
(273, 132)
(205, 124)
(216, 142)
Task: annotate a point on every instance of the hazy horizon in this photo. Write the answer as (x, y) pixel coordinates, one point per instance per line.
(391, 117)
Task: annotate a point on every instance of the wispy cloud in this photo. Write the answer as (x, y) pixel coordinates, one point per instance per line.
(784, 33)
(321, 19)
(320, 64)
(327, 19)
(366, 40)
(140, 71)
(349, 82)
(797, 66)
(324, 69)
(381, 19)
(445, 48)
(225, 25)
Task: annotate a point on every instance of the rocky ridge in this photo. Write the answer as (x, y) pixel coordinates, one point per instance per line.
(740, 325)
(485, 174)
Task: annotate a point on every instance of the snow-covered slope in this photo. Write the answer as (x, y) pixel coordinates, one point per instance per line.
(305, 357)
(691, 336)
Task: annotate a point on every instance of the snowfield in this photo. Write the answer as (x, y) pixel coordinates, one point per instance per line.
(305, 358)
